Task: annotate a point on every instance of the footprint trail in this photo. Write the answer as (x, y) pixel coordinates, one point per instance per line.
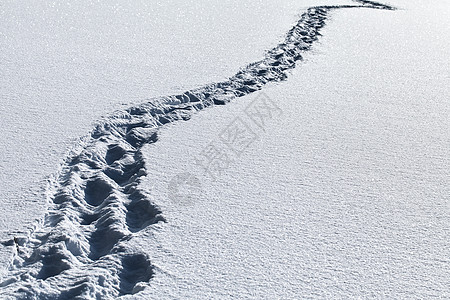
(82, 248)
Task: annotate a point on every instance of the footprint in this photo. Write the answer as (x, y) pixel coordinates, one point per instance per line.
(135, 268)
(96, 191)
(54, 261)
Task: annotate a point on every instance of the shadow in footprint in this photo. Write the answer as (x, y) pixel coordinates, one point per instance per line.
(109, 228)
(53, 263)
(104, 239)
(115, 152)
(123, 171)
(142, 213)
(97, 191)
(88, 219)
(135, 268)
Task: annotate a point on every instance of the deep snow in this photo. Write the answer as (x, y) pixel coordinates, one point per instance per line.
(345, 194)
(349, 163)
(66, 64)
(63, 65)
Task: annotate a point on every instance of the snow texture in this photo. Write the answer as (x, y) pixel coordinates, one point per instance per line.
(82, 248)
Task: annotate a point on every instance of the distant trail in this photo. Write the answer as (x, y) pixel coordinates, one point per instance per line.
(81, 249)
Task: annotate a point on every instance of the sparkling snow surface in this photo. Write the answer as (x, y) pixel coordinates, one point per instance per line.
(344, 193)
(63, 65)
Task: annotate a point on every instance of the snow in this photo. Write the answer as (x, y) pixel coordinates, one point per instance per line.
(56, 56)
(343, 193)
(107, 56)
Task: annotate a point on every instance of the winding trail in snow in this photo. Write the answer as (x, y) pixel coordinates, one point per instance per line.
(81, 248)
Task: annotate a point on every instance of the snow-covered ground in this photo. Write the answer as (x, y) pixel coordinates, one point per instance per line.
(65, 64)
(342, 192)
(344, 195)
